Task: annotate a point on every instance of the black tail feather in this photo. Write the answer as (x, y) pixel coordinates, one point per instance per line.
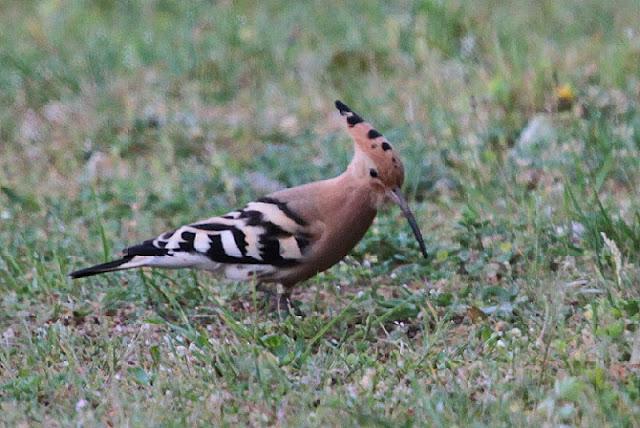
(101, 268)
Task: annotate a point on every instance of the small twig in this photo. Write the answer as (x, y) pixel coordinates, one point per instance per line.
(542, 339)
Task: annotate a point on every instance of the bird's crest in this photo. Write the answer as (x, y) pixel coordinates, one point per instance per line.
(371, 142)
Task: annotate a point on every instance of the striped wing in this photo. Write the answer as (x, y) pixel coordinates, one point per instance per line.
(265, 232)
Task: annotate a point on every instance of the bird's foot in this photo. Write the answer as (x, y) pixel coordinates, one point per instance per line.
(280, 301)
(288, 305)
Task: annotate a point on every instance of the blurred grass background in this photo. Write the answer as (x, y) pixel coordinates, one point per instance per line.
(519, 126)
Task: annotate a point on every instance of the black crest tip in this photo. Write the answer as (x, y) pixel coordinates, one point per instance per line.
(373, 134)
(352, 117)
(344, 109)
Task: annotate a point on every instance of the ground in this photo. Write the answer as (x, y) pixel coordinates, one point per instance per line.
(519, 125)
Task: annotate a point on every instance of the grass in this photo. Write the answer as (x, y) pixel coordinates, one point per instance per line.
(519, 125)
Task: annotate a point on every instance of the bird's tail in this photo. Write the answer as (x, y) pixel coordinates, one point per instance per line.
(126, 262)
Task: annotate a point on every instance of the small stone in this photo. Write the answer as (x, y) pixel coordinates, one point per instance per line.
(81, 404)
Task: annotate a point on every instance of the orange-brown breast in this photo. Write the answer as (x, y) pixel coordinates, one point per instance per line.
(342, 211)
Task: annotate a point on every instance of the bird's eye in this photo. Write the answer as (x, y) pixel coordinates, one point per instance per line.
(373, 173)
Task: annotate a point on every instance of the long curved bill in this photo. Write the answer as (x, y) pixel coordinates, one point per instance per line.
(396, 196)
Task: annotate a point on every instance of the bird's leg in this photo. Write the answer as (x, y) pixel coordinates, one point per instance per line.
(285, 303)
(280, 299)
(284, 298)
(274, 297)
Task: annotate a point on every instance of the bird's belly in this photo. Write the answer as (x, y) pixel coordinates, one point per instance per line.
(180, 260)
(243, 272)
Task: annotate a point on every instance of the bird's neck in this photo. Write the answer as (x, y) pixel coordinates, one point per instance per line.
(357, 179)
(356, 193)
(359, 166)
(352, 208)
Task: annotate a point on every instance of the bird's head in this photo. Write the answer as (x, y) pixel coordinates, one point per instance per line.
(376, 162)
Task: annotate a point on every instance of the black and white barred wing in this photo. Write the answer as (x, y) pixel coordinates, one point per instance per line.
(258, 240)
(264, 232)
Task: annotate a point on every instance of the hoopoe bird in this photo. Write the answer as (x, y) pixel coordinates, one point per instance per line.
(292, 234)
